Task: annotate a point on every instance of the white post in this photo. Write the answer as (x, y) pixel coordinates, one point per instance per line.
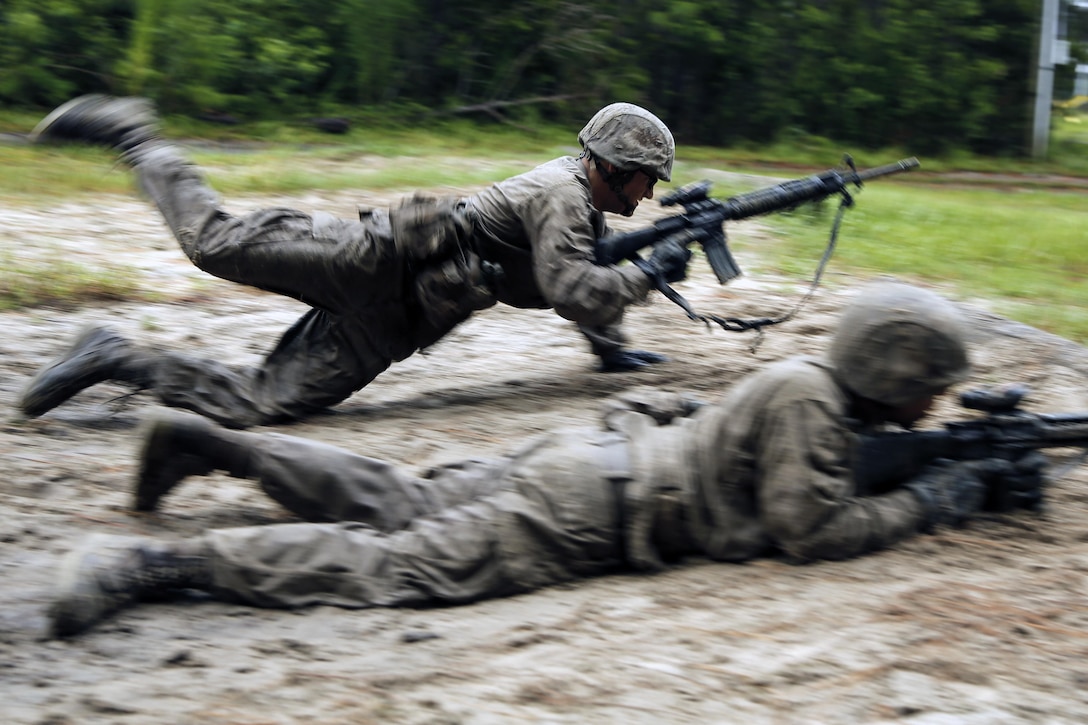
(1044, 85)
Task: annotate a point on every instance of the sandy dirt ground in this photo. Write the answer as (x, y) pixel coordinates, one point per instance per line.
(986, 624)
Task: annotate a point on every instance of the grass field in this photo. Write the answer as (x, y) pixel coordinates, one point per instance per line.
(1008, 230)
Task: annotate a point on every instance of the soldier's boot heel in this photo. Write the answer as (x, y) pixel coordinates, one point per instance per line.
(178, 445)
(118, 123)
(97, 355)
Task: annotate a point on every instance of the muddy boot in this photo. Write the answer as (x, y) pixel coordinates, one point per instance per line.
(97, 355)
(118, 123)
(107, 573)
(178, 445)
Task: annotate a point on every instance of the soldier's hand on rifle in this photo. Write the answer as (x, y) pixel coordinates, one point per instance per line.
(669, 260)
(951, 492)
(1019, 485)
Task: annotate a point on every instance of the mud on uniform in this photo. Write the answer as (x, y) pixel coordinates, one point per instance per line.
(766, 469)
(383, 286)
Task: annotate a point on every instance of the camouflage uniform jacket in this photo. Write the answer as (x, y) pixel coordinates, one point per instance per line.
(541, 227)
(769, 468)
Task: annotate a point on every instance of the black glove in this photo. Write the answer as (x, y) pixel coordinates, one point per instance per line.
(620, 361)
(953, 491)
(1020, 486)
(669, 259)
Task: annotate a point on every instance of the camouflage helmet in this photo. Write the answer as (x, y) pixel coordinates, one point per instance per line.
(897, 343)
(630, 138)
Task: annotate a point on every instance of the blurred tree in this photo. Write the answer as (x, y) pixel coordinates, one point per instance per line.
(920, 73)
(486, 51)
(50, 49)
(369, 46)
(179, 55)
(249, 57)
(959, 72)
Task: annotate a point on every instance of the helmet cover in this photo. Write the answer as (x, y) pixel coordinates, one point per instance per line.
(897, 343)
(630, 138)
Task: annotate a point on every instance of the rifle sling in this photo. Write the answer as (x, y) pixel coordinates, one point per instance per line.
(736, 324)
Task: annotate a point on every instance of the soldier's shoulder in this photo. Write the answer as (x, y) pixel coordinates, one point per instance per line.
(801, 377)
(799, 367)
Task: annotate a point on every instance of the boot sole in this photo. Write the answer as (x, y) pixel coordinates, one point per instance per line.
(41, 132)
(37, 399)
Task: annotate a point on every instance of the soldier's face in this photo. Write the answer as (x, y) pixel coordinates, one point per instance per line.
(910, 413)
(641, 186)
(624, 201)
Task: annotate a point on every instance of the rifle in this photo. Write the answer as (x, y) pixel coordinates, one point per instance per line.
(890, 458)
(703, 218)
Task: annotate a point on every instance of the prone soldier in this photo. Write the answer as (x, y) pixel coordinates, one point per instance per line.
(767, 470)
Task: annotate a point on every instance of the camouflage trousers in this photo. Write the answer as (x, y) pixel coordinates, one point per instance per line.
(358, 279)
(459, 533)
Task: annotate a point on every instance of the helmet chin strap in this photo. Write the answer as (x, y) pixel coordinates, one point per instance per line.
(616, 181)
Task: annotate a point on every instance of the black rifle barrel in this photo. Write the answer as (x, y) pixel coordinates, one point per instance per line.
(814, 188)
(703, 214)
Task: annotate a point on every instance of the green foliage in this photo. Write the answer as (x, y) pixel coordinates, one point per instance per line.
(931, 74)
(369, 44)
(50, 49)
(255, 57)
